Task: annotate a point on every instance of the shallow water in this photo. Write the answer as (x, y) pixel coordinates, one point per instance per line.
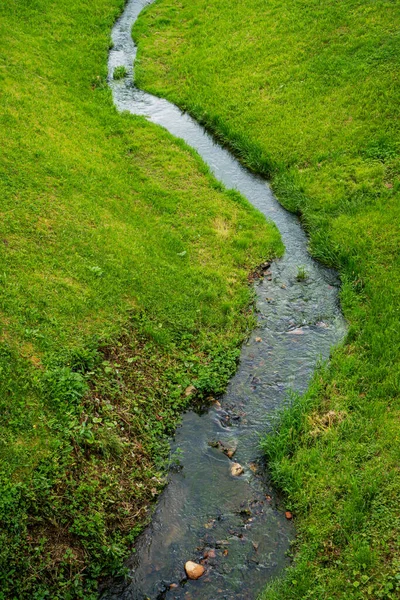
(204, 509)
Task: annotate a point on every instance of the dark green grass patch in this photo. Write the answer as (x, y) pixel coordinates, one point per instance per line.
(308, 94)
(123, 280)
(108, 409)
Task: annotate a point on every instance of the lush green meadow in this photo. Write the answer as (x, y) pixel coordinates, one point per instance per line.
(123, 278)
(308, 94)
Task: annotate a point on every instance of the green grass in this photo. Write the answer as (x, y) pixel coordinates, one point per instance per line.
(120, 72)
(302, 274)
(123, 281)
(307, 93)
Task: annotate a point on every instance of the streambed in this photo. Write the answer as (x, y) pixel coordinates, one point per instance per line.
(236, 522)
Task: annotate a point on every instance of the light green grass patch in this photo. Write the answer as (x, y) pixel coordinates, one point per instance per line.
(123, 280)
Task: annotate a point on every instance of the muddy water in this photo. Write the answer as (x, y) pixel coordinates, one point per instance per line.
(204, 510)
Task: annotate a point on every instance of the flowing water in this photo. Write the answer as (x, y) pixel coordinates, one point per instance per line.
(205, 511)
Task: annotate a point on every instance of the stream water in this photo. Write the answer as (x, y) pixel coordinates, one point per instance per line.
(236, 522)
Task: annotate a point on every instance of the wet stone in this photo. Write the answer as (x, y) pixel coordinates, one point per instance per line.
(194, 570)
(228, 448)
(236, 469)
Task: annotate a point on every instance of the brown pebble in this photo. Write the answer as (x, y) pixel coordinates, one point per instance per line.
(173, 586)
(288, 515)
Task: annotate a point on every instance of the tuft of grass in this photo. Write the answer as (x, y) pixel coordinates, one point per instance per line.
(120, 72)
(307, 94)
(302, 274)
(117, 292)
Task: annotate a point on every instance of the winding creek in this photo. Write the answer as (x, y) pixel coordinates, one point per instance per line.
(204, 509)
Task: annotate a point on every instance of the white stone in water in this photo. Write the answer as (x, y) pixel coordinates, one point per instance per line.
(194, 570)
(297, 331)
(236, 469)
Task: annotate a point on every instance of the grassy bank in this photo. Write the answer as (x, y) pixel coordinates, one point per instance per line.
(123, 280)
(307, 93)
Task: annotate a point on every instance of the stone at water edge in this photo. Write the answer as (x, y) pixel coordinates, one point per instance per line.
(190, 390)
(236, 469)
(194, 570)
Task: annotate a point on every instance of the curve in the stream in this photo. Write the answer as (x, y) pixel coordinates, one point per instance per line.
(204, 510)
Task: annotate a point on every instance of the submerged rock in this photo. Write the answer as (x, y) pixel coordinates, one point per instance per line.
(230, 452)
(194, 570)
(227, 448)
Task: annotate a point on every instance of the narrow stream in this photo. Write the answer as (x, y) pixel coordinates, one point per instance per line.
(205, 511)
